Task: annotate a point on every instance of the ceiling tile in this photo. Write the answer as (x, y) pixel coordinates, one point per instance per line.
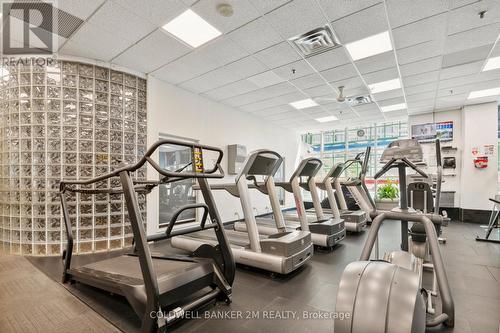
(294, 70)
(232, 89)
(329, 59)
(321, 90)
(255, 36)
(472, 38)
(367, 22)
(246, 67)
(111, 17)
(466, 17)
(421, 103)
(88, 40)
(221, 51)
(339, 73)
(185, 68)
(391, 101)
(152, 52)
(243, 12)
(420, 96)
(265, 6)
(336, 9)
(383, 75)
(421, 66)
(376, 63)
(277, 55)
(265, 79)
(421, 88)
(402, 12)
(305, 15)
(466, 56)
(388, 95)
(213, 79)
(78, 8)
(422, 78)
(420, 51)
(433, 28)
(308, 81)
(157, 12)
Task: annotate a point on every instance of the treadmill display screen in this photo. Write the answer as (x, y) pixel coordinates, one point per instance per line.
(262, 166)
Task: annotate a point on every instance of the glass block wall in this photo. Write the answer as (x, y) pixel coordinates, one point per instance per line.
(72, 121)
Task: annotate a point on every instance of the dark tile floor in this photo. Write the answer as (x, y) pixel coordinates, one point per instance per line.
(473, 270)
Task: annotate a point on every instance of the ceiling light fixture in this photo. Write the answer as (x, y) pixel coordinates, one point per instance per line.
(370, 46)
(326, 119)
(394, 107)
(384, 86)
(190, 28)
(484, 93)
(304, 104)
(492, 63)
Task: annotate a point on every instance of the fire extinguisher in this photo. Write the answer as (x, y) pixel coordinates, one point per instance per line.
(481, 162)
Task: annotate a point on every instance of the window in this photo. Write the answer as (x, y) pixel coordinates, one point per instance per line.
(335, 149)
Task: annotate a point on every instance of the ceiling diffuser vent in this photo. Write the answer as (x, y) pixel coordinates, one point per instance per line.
(359, 100)
(316, 41)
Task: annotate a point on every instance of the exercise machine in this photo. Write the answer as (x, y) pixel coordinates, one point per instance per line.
(355, 220)
(423, 198)
(170, 284)
(387, 295)
(325, 232)
(492, 224)
(281, 252)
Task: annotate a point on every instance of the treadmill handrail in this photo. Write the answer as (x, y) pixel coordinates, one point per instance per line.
(166, 173)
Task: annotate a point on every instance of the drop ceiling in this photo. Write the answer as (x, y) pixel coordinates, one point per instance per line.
(439, 49)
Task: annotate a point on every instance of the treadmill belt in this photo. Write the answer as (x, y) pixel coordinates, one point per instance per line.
(127, 270)
(234, 237)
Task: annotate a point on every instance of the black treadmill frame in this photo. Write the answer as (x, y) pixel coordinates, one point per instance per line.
(129, 189)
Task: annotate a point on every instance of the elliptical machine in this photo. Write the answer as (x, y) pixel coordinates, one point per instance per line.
(387, 295)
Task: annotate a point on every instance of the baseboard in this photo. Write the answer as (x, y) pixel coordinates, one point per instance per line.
(474, 215)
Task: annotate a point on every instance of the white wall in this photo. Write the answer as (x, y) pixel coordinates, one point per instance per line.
(175, 111)
(474, 126)
(480, 128)
(451, 183)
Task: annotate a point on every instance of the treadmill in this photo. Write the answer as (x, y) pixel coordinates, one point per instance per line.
(354, 219)
(281, 252)
(325, 232)
(354, 225)
(168, 285)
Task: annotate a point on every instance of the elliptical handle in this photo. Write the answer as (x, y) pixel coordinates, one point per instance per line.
(387, 166)
(438, 152)
(414, 167)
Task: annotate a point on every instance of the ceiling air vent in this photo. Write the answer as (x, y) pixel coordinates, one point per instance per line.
(359, 100)
(316, 41)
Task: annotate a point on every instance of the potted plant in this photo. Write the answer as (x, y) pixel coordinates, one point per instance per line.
(387, 196)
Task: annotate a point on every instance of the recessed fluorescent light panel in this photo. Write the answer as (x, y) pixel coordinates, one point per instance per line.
(304, 103)
(484, 93)
(191, 29)
(394, 107)
(492, 63)
(370, 46)
(384, 86)
(326, 119)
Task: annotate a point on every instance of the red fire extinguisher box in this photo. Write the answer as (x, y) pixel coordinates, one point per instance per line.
(481, 162)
